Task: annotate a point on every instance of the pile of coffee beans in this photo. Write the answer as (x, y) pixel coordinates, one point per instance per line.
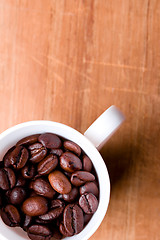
(48, 187)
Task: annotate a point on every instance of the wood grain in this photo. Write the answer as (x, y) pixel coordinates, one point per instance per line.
(68, 61)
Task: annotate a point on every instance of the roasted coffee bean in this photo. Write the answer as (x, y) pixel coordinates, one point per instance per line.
(42, 187)
(1, 199)
(87, 218)
(37, 151)
(71, 196)
(10, 216)
(57, 152)
(89, 187)
(40, 221)
(56, 233)
(80, 177)
(17, 195)
(28, 140)
(28, 171)
(70, 162)
(6, 158)
(87, 164)
(73, 147)
(39, 232)
(47, 165)
(18, 157)
(63, 231)
(73, 219)
(35, 206)
(7, 178)
(59, 182)
(21, 181)
(50, 140)
(88, 202)
(57, 207)
(27, 221)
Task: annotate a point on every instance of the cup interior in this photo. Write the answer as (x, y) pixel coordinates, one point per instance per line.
(14, 134)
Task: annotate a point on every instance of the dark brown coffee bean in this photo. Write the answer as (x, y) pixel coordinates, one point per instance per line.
(89, 187)
(6, 158)
(27, 221)
(40, 221)
(63, 231)
(10, 216)
(88, 202)
(87, 218)
(19, 157)
(47, 165)
(28, 140)
(35, 206)
(50, 140)
(59, 182)
(7, 178)
(42, 187)
(39, 232)
(56, 233)
(21, 181)
(17, 195)
(1, 199)
(57, 152)
(80, 177)
(70, 162)
(73, 147)
(73, 219)
(87, 164)
(28, 171)
(37, 151)
(57, 207)
(71, 196)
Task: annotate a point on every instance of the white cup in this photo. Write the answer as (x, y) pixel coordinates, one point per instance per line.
(94, 138)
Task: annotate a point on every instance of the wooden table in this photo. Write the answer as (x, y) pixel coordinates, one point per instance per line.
(68, 61)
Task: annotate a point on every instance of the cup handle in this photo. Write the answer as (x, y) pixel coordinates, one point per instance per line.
(104, 126)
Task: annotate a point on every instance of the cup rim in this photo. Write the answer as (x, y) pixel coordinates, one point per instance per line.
(90, 150)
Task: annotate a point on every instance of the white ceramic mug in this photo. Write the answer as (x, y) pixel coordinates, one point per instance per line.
(94, 138)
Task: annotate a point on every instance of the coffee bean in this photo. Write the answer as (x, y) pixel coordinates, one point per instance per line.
(28, 171)
(27, 221)
(47, 165)
(1, 197)
(57, 207)
(17, 195)
(63, 230)
(7, 178)
(35, 206)
(50, 140)
(80, 177)
(28, 140)
(37, 152)
(70, 162)
(73, 219)
(71, 196)
(39, 232)
(59, 182)
(87, 164)
(56, 233)
(18, 157)
(6, 158)
(42, 187)
(87, 218)
(89, 187)
(21, 181)
(73, 147)
(10, 216)
(88, 202)
(57, 152)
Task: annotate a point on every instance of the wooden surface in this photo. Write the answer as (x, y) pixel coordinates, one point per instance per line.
(68, 61)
